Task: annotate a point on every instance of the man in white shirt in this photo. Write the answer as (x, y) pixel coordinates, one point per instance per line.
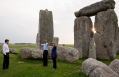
(5, 50)
(45, 53)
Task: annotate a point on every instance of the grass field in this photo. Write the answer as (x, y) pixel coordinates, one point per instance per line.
(33, 68)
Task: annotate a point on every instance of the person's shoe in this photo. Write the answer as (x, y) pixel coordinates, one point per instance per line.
(45, 66)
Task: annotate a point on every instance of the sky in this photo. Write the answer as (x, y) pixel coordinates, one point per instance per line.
(19, 18)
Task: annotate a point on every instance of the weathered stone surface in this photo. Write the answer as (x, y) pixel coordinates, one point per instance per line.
(38, 41)
(92, 51)
(100, 50)
(30, 53)
(93, 9)
(65, 53)
(90, 67)
(13, 51)
(99, 72)
(45, 31)
(82, 34)
(56, 40)
(114, 65)
(106, 24)
(90, 64)
(118, 41)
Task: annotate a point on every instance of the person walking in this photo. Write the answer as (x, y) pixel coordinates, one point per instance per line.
(5, 50)
(45, 53)
(54, 55)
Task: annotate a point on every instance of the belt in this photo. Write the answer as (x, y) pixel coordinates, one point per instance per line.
(7, 52)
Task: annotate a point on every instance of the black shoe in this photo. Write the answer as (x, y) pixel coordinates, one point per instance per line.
(45, 65)
(7, 68)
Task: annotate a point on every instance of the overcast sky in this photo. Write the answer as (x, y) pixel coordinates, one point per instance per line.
(19, 18)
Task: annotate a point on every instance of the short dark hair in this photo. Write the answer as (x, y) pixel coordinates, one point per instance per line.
(6, 40)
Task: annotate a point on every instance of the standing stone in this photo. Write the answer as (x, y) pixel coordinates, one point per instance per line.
(82, 34)
(38, 41)
(118, 41)
(45, 31)
(56, 40)
(106, 24)
(92, 52)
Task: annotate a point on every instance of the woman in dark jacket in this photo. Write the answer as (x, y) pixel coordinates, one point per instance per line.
(54, 55)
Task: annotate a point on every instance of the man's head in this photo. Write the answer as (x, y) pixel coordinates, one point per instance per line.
(45, 41)
(6, 41)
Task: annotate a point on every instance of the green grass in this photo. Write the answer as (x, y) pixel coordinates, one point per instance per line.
(34, 68)
(67, 45)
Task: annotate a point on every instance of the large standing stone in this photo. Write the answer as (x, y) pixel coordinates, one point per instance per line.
(65, 53)
(114, 65)
(30, 53)
(94, 68)
(45, 31)
(56, 40)
(93, 9)
(82, 34)
(106, 24)
(118, 41)
(38, 41)
(92, 52)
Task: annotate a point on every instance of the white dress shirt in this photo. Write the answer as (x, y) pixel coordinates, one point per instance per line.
(5, 48)
(45, 46)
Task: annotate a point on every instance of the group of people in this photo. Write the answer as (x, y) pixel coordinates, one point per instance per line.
(53, 54)
(5, 50)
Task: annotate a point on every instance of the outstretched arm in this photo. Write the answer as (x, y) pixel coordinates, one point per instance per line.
(42, 44)
(48, 44)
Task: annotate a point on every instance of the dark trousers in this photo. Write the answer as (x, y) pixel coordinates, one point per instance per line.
(54, 62)
(6, 61)
(45, 57)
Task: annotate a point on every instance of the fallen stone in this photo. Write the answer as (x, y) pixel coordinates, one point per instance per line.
(93, 68)
(65, 53)
(114, 65)
(30, 53)
(13, 51)
(99, 72)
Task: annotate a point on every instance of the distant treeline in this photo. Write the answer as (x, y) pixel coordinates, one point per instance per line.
(19, 43)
